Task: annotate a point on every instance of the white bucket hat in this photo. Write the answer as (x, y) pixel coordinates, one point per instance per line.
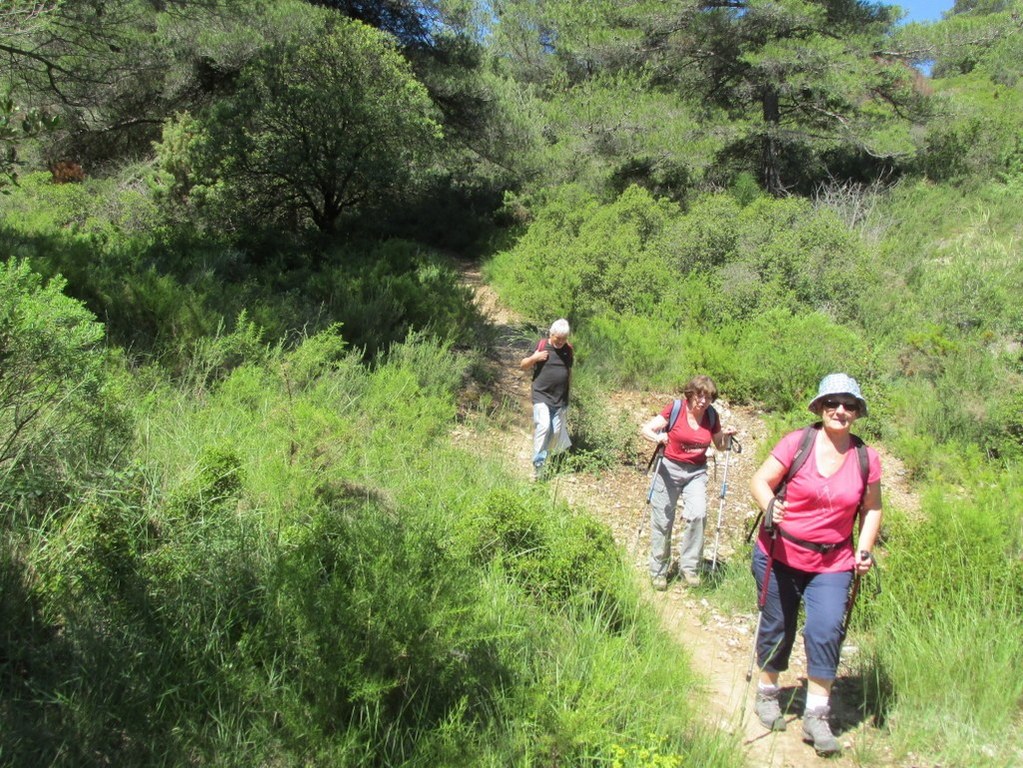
(838, 384)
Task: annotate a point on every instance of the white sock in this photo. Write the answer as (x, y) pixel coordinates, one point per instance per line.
(816, 701)
(767, 688)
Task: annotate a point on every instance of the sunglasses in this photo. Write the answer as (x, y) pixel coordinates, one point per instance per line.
(831, 404)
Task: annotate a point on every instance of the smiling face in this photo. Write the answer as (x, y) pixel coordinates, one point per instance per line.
(698, 402)
(839, 411)
(558, 340)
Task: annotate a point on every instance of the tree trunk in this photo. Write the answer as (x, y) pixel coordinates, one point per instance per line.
(770, 173)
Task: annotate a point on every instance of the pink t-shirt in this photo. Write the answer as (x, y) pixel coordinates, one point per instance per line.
(820, 509)
(688, 444)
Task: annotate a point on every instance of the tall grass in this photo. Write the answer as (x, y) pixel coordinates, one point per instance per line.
(946, 631)
(300, 568)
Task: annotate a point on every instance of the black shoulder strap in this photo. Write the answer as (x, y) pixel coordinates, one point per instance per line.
(799, 458)
(861, 454)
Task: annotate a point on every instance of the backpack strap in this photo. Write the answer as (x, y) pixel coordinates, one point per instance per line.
(676, 409)
(798, 458)
(541, 345)
(861, 454)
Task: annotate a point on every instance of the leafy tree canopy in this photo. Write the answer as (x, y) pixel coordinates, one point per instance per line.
(327, 120)
(805, 77)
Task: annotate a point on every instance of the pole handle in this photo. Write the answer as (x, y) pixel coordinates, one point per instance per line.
(769, 516)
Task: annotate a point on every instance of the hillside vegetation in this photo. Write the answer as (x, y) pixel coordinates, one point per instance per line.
(233, 349)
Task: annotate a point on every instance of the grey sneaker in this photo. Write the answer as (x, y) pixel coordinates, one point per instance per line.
(660, 583)
(768, 709)
(817, 731)
(692, 579)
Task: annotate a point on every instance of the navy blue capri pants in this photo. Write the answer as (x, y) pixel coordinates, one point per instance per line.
(824, 597)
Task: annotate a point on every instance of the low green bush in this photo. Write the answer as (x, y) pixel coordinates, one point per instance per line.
(580, 258)
(633, 350)
(62, 412)
(779, 357)
(600, 439)
(558, 559)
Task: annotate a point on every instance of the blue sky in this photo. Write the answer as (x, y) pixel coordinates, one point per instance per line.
(923, 10)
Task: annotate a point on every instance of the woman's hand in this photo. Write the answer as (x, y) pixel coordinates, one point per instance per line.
(864, 561)
(777, 511)
(722, 438)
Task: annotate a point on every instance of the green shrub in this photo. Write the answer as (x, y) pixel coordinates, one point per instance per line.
(599, 438)
(779, 357)
(632, 350)
(383, 293)
(60, 406)
(705, 237)
(218, 482)
(560, 559)
(580, 258)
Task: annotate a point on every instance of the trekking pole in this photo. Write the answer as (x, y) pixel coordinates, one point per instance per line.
(655, 463)
(762, 598)
(854, 591)
(732, 445)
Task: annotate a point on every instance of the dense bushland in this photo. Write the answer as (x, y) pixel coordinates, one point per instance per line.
(234, 528)
(160, 289)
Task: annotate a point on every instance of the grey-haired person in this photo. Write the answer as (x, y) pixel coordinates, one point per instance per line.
(814, 551)
(551, 363)
(682, 473)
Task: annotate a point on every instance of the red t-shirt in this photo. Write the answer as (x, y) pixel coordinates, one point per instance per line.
(685, 443)
(820, 509)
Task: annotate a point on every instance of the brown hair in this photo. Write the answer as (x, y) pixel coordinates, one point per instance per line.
(701, 385)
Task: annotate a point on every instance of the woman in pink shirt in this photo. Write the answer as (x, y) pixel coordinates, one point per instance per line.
(811, 551)
(683, 473)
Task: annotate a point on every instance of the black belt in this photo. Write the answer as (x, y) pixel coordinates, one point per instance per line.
(815, 546)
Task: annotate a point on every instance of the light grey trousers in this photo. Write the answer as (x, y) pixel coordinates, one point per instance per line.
(672, 481)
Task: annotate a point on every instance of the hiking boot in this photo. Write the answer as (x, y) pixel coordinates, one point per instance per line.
(817, 731)
(768, 709)
(691, 579)
(660, 583)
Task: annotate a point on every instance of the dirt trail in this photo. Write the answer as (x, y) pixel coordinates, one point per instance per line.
(718, 644)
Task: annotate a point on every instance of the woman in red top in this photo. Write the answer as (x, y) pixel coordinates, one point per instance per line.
(683, 471)
(811, 551)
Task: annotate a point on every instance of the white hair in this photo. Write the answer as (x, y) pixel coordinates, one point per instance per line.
(560, 328)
